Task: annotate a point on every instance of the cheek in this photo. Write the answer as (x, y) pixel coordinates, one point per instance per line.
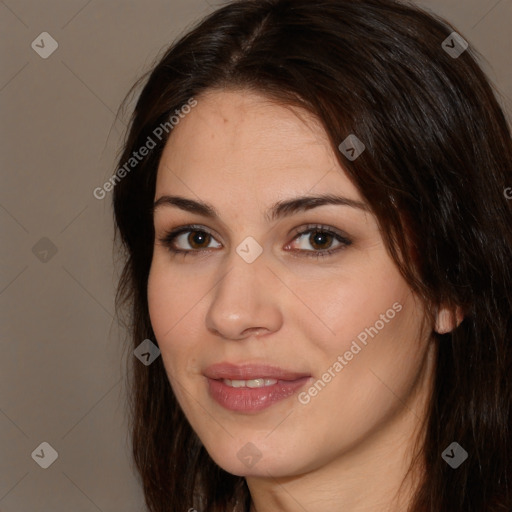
(336, 309)
(365, 338)
(360, 386)
(171, 298)
(175, 304)
(381, 353)
(162, 303)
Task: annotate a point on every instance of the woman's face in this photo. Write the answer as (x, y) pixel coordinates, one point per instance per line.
(289, 336)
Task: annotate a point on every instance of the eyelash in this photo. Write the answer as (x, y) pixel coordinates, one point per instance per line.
(344, 241)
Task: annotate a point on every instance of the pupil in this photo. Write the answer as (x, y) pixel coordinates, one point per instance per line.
(198, 238)
(319, 239)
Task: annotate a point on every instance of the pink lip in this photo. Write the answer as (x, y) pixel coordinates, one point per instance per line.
(252, 399)
(248, 371)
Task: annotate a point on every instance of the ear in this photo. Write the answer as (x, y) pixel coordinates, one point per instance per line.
(448, 319)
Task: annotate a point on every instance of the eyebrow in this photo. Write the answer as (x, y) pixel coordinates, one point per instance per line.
(280, 209)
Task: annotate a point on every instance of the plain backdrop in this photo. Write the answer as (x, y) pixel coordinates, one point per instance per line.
(61, 365)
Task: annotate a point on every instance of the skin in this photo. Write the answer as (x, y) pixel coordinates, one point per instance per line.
(242, 153)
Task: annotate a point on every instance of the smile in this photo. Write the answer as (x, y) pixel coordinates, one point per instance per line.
(250, 388)
(253, 383)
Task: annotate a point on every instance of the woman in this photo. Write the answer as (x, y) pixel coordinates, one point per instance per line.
(319, 243)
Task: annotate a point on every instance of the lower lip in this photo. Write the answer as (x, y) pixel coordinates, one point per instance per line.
(253, 399)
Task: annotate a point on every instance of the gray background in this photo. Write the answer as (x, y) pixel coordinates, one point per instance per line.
(62, 365)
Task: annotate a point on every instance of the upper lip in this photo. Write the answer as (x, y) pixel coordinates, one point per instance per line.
(248, 371)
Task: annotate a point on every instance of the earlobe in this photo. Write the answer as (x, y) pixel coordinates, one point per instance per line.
(448, 319)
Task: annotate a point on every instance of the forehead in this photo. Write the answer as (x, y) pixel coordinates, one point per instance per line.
(239, 144)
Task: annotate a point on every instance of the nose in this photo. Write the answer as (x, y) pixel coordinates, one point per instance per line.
(245, 302)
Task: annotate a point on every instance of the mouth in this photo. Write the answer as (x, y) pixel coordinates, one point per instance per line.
(252, 383)
(251, 388)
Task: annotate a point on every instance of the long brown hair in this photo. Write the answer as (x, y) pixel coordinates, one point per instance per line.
(436, 165)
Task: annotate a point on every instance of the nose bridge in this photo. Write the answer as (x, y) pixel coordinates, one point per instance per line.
(242, 300)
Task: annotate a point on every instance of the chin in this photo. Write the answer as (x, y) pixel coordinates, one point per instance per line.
(253, 459)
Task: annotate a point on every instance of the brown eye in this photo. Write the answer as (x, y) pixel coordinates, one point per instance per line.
(317, 239)
(199, 239)
(190, 240)
(320, 240)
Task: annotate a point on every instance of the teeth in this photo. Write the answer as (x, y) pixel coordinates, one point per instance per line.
(253, 383)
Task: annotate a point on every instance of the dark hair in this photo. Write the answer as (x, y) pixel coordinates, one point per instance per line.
(436, 164)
